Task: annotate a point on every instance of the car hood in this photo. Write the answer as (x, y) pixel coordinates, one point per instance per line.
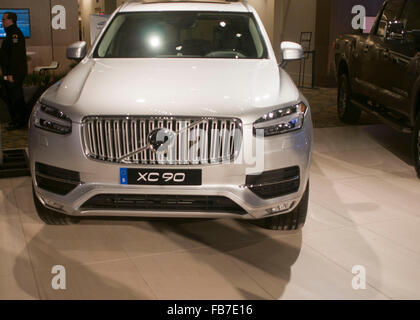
(177, 87)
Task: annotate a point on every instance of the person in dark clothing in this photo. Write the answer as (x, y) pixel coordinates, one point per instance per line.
(15, 68)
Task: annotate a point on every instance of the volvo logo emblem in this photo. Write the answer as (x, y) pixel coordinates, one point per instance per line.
(160, 139)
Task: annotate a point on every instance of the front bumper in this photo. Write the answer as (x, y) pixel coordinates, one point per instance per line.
(224, 180)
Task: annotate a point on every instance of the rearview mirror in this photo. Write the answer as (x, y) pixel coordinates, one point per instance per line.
(76, 51)
(290, 51)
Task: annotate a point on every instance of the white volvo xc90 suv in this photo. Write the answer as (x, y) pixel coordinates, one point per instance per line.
(180, 109)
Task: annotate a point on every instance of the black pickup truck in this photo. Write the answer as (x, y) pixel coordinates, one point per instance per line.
(380, 72)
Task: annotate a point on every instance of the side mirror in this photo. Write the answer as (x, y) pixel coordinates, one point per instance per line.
(77, 51)
(395, 30)
(290, 51)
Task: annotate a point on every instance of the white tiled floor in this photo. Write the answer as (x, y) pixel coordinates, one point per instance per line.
(364, 210)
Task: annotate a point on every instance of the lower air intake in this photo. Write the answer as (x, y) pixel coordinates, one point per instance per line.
(276, 183)
(147, 202)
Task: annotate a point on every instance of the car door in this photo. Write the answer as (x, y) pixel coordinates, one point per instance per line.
(398, 60)
(375, 49)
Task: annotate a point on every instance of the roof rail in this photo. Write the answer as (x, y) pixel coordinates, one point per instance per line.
(205, 1)
(127, 3)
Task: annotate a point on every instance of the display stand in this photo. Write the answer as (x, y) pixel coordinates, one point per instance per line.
(14, 164)
(305, 41)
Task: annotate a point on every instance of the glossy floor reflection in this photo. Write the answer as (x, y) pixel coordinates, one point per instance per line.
(364, 211)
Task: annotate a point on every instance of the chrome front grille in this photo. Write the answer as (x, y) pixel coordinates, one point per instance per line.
(195, 140)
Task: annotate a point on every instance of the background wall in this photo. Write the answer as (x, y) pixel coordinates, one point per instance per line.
(283, 20)
(86, 8)
(334, 18)
(61, 39)
(45, 43)
(291, 18)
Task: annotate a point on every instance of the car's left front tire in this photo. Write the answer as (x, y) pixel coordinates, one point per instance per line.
(294, 220)
(52, 217)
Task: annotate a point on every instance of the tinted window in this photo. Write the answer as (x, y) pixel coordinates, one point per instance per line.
(182, 35)
(411, 15)
(411, 19)
(391, 12)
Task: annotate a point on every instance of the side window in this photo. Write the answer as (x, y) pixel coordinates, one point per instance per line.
(391, 12)
(411, 15)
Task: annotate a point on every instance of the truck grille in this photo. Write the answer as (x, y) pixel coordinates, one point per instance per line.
(194, 140)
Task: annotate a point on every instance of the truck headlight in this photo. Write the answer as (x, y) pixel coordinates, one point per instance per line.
(281, 120)
(51, 119)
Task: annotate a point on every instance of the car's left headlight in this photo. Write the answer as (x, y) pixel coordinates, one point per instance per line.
(51, 119)
(282, 120)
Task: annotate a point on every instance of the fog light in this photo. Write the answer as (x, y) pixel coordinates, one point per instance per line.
(280, 208)
(52, 204)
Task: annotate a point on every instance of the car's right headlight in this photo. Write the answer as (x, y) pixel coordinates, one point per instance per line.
(51, 119)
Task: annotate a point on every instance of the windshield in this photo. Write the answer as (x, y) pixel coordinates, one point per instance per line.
(175, 34)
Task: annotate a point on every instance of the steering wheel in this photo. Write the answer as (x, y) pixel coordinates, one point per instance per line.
(225, 54)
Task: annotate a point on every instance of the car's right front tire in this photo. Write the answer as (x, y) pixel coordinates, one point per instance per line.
(347, 112)
(52, 217)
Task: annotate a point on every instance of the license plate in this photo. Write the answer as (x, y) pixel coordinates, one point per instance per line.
(160, 177)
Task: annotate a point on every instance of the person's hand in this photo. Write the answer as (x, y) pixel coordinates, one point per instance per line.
(10, 78)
